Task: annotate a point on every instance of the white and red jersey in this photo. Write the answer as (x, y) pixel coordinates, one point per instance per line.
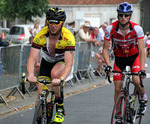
(124, 45)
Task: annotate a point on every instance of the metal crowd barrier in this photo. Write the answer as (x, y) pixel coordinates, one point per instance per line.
(10, 66)
(13, 62)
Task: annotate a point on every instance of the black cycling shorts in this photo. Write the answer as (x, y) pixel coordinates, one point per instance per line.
(122, 62)
(46, 67)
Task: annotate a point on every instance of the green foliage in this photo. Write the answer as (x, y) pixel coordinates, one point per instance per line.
(22, 9)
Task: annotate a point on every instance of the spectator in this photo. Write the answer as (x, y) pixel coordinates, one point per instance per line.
(31, 39)
(83, 34)
(102, 29)
(35, 29)
(2, 43)
(91, 32)
(98, 56)
(71, 25)
(148, 47)
(39, 28)
(146, 37)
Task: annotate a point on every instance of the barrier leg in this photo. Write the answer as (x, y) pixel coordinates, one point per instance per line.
(71, 83)
(76, 77)
(3, 100)
(14, 91)
(81, 77)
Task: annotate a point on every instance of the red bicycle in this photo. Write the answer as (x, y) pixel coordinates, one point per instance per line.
(126, 106)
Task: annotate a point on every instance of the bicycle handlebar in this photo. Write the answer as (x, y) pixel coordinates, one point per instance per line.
(50, 82)
(125, 73)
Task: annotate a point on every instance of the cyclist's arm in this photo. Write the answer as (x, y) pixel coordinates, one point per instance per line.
(68, 64)
(105, 52)
(34, 53)
(141, 53)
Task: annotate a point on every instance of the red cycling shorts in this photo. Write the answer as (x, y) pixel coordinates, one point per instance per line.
(121, 63)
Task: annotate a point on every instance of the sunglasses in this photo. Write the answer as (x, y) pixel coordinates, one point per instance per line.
(126, 15)
(55, 23)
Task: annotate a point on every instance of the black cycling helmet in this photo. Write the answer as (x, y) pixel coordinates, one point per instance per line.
(125, 8)
(55, 14)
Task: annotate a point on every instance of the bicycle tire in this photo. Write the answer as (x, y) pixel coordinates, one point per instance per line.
(127, 113)
(137, 119)
(36, 112)
(119, 104)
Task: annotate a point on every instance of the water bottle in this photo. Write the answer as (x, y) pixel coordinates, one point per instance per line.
(132, 101)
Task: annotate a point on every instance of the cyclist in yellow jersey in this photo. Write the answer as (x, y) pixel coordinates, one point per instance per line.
(58, 46)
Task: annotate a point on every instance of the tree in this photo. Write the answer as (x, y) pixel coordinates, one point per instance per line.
(22, 9)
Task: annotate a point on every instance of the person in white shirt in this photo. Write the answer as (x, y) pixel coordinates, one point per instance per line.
(38, 29)
(83, 34)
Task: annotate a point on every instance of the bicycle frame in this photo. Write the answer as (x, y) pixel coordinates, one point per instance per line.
(125, 96)
(47, 107)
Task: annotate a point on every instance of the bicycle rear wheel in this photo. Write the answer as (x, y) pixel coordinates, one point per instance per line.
(119, 108)
(36, 113)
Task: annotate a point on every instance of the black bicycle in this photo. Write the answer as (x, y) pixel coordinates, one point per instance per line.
(44, 109)
(126, 106)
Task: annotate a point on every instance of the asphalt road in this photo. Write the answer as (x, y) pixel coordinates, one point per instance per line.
(89, 107)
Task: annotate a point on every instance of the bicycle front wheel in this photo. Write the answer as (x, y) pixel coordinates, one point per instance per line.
(118, 113)
(37, 113)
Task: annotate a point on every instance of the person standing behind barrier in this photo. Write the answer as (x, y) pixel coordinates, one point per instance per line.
(71, 25)
(39, 28)
(35, 29)
(148, 47)
(5, 44)
(98, 56)
(127, 38)
(2, 43)
(83, 34)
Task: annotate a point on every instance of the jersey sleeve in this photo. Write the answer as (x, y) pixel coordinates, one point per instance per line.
(139, 32)
(40, 38)
(107, 33)
(68, 40)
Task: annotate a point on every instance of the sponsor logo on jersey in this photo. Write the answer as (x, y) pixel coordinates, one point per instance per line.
(65, 39)
(69, 43)
(135, 67)
(106, 33)
(36, 40)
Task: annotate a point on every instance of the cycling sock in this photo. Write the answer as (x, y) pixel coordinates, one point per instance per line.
(144, 96)
(59, 100)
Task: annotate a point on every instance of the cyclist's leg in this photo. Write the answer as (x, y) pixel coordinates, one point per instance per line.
(117, 81)
(118, 86)
(136, 68)
(55, 73)
(45, 69)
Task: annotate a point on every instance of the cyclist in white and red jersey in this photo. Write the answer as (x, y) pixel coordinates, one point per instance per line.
(127, 40)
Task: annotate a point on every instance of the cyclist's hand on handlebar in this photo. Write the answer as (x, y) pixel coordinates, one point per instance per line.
(142, 73)
(108, 70)
(32, 78)
(56, 81)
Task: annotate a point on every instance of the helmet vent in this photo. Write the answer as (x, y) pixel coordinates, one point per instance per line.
(129, 7)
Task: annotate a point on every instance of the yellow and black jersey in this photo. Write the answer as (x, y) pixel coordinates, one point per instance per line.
(65, 43)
